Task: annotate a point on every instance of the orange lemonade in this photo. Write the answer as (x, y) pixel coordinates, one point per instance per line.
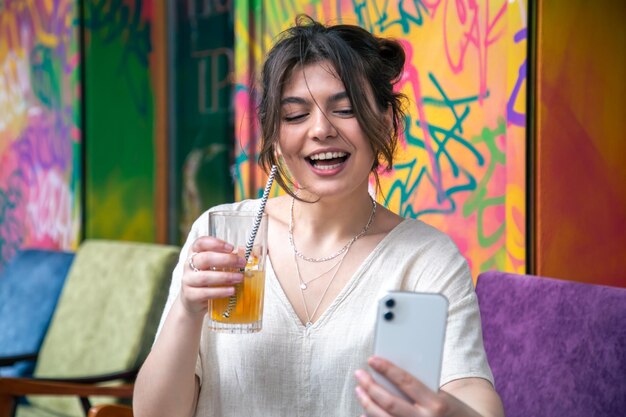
(246, 305)
(248, 301)
(241, 312)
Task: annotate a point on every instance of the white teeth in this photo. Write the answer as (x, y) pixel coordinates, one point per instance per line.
(327, 167)
(327, 155)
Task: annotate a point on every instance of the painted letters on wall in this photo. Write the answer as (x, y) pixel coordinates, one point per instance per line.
(203, 130)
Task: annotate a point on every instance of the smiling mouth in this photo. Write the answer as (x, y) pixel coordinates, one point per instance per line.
(327, 160)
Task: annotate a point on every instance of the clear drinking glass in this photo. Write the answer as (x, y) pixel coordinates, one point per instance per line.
(242, 312)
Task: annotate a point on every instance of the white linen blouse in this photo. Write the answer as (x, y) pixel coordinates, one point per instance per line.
(290, 370)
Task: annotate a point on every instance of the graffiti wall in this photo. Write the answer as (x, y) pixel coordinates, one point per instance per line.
(122, 60)
(40, 132)
(461, 166)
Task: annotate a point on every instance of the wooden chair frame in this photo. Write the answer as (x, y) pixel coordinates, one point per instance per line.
(111, 410)
(13, 388)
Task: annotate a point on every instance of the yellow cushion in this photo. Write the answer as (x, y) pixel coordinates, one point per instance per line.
(107, 315)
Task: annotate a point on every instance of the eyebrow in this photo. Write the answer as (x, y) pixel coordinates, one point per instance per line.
(299, 100)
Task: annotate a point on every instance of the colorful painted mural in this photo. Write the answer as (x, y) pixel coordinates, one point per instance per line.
(462, 162)
(40, 131)
(121, 138)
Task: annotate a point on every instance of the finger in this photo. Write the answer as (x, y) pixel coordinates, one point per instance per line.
(209, 260)
(384, 399)
(202, 295)
(407, 383)
(371, 408)
(212, 244)
(212, 278)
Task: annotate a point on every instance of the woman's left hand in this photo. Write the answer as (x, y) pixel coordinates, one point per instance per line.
(378, 402)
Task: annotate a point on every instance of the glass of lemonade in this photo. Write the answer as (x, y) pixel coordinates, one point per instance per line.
(243, 311)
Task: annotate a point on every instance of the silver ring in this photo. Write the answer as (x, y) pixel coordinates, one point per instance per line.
(190, 261)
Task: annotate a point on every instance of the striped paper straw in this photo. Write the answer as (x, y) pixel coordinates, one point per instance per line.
(259, 215)
(232, 300)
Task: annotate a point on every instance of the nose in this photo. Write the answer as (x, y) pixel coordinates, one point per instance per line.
(321, 127)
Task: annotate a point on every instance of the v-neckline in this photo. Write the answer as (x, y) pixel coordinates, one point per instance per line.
(345, 291)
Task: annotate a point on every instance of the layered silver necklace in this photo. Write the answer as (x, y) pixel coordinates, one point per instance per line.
(340, 251)
(303, 286)
(344, 250)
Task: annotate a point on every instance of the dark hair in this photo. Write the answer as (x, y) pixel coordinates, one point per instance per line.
(359, 58)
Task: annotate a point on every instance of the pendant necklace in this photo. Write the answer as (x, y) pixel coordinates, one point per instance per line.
(304, 285)
(309, 317)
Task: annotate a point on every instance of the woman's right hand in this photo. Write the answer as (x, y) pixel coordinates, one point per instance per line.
(213, 260)
(174, 354)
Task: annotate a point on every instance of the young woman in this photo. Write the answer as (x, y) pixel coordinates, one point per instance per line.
(330, 120)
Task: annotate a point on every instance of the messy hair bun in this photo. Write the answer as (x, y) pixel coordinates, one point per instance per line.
(393, 55)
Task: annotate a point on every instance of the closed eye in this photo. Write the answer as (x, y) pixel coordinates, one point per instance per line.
(294, 118)
(345, 112)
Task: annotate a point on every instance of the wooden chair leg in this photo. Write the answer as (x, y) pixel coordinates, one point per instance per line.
(7, 405)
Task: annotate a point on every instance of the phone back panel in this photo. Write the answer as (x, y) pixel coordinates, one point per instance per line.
(413, 337)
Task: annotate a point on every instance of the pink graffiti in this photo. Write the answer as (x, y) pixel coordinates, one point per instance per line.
(35, 204)
(247, 124)
(466, 14)
(49, 210)
(44, 145)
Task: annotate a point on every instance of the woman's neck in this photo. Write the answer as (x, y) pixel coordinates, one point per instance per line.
(322, 227)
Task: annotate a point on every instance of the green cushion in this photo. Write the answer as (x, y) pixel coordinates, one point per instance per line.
(107, 315)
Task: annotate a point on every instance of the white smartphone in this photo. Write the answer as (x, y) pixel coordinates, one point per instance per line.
(410, 332)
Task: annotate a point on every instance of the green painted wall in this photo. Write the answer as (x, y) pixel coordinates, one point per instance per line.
(119, 128)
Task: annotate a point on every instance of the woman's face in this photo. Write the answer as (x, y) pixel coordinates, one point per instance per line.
(321, 140)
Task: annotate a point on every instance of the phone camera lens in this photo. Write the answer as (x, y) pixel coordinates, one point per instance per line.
(390, 302)
(388, 316)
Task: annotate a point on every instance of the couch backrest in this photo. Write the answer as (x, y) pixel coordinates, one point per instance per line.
(107, 315)
(556, 348)
(29, 289)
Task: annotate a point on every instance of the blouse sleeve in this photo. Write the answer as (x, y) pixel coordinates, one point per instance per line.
(446, 271)
(175, 284)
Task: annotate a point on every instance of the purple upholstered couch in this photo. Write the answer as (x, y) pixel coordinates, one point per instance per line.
(556, 348)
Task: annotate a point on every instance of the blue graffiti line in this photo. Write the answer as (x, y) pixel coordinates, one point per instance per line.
(436, 131)
(441, 137)
(406, 188)
(513, 116)
(46, 76)
(380, 19)
(246, 157)
(12, 230)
